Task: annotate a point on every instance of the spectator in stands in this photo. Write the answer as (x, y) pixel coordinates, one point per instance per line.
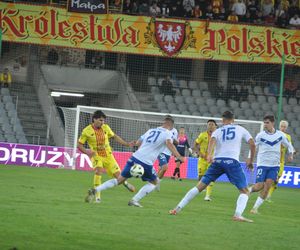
(252, 9)
(282, 20)
(167, 87)
(144, 8)
(239, 8)
(5, 78)
(216, 6)
(165, 10)
(127, 6)
(222, 15)
(273, 88)
(295, 22)
(154, 10)
(267, 8)
(233, 92)
(176, 10)
(52, 56)
(294, 9)
(220, 91)
(203, 5)
(197, 13)
(259, 19)
(208, 15)
(188, 6)
(233, 17)
(244, 92)
(290, 87)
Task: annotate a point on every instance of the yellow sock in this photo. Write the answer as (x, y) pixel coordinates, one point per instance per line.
(274, 186)
(209, 189)
(97, 182)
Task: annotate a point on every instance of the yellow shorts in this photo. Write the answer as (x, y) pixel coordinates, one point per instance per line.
(202, 166)
(280, 170)
(109, 163)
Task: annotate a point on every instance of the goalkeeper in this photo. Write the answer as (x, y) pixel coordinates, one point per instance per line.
(201, 146)
(97, 136)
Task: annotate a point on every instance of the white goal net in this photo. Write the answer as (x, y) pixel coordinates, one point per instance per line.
(130, 125)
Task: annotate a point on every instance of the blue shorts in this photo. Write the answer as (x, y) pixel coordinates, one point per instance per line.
(149, 171)
(264, 173)
(163, 159)
(228, 166)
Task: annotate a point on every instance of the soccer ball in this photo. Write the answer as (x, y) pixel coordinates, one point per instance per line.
(137, 171)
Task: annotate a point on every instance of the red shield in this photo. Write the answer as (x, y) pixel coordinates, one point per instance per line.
(170, 36)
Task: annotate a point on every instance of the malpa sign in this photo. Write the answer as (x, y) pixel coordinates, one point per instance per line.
(42, 156)
(88, 6)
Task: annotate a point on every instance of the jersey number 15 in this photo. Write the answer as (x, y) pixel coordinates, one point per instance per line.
(228, 133)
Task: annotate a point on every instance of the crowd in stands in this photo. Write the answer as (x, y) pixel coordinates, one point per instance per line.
(284, 13)
(281, 13)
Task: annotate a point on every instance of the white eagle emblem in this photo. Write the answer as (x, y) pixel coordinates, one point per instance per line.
(169, 36)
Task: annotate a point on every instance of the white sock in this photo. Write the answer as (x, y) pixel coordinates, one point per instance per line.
(250, 189)
(241, 204)
(258, 203)
(146, 189)
(187, 198)
(106, 185)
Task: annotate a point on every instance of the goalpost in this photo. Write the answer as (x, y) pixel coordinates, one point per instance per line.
(130, 125)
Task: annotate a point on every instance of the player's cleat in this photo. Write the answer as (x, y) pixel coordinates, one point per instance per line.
(129, 186)
(254, 211)
(134, 203)
(173, 212)
(179, 179)
(98, 200)
(268, 199)
(157, 187)
(173, 178)
(207, 198)
(241, 219)
(91, 195)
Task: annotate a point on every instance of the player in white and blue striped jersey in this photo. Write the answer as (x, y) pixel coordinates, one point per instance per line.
(269, 143)
(152, 143)
(227, 143)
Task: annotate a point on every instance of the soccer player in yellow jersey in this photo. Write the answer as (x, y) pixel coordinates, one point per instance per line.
(97, 136)
(283, 125)
(201, 146)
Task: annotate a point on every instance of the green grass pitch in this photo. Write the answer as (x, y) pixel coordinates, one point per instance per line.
(43, 209)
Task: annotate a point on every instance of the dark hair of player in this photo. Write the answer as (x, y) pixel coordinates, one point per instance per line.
(228, 115)
(98, 114)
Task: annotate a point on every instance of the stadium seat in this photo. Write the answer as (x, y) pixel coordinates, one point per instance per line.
(161, 105)
(182, 107)
(7, 99)
(189, 100)
(271, 100)
(193, 85)
(152, 81)
(160, 80)
(203, 109)
(179, 99)
(292, 101)
(154, 90)
(210, 102)
(183, 84)
(192, 108)
(291, 116)
(248, 113)
(266, 107)
(200, 101)
(274, 107)
(196, 93)
(284, 100)
(266, 90)
(10, 106)
(175, 111)
(287, 108)
(295, 124)
(206, 94)
(261, 99)
(213, 110)
(238, 112)
(233, 104)
(196, 113)
(257, 90)
(221, 103)
(186, 92)
(203, 85)
(223, 109)
(158, 97)
(185, 112)
(296, 109)
(245, 105)
(171, 106)
(168, 98)
(297, 131)
(165, 111)
(255, 106)
(251, 98)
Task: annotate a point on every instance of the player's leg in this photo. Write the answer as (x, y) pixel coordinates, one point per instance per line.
(211, 175)
(237, 177)
(163, 160)
(274, 186)
(260, 179)
(149, 176)
(207, 197)
(201, 168)
(270, 178)
(114, 170)
(176, 170)
(98, 169)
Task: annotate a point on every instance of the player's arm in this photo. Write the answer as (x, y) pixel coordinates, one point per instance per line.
(290, 148)
(196, 148)
(188, 147)
(84, 150)
(210, 149)
(123, 142)
(173, 149)
(252, 148)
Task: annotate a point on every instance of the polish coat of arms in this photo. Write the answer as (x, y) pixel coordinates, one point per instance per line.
(170, 37)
